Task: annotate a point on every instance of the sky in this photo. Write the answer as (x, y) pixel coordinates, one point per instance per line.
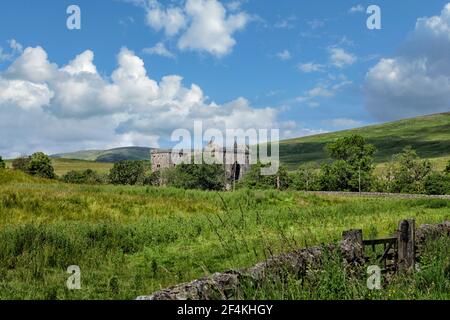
(139, 69)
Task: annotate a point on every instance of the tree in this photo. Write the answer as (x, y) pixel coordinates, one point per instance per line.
(352, 167)
(153, 179)
(2, 163)
(337, 176)
(196, 176)
(254, 179)
(127, 172)
(306, 178)
(447, 168)
(437, 183)
(21, 163)
(39, 164)
(83, 177)
(406, 173)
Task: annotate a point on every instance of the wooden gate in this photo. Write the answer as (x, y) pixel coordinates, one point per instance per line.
(398, 251)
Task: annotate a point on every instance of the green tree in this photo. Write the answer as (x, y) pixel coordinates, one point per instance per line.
(2, 163)
(352, 167)
(153, 179)
(337, 176)
(83, 177)
(306, 178)
(407, 172)
(447, 168)
(254, 179)
(127, 172)
(39, 164)
(196, 176)
(437, 183)
(21, 163)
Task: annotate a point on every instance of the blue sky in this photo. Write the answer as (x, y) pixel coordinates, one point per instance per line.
(302, 66)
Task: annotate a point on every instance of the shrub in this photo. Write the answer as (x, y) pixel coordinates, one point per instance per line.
(83, 177)
(2, 163)
(306, 178)
(127, 172)
(254, 179)
(407, 173)
(21, 164)
(447, 168)
(352, 167)
(196, 176)
(437, 183)
(153, 179)
(39, 164)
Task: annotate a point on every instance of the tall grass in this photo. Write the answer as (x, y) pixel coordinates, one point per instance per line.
(333, 280)
(130, 241)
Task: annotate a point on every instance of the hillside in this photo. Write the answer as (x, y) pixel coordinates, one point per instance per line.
(428, 135)
(62, 166)
(112, 155)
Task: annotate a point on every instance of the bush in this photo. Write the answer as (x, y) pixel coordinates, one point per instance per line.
(352, 167)
(437, 183)
(39, 164)
(21, 164)
(153, 179)
(407, 173)
(196, 176)
(336, 177)
(127, 172)
(306, 178)
(447, 168)
(254, 178)
(2, 163)
(83, 177)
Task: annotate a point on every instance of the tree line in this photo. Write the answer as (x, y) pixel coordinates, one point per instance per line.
(350, 167)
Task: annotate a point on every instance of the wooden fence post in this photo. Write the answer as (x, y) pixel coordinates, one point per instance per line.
(406, 245)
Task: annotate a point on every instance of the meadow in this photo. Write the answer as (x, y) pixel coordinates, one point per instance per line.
(131, 240)
(62, 166)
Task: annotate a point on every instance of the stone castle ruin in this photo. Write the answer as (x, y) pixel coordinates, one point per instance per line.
(236, 160)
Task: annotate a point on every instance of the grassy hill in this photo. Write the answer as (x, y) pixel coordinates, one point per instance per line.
(62, 166)
(428, 135)
(112, 155)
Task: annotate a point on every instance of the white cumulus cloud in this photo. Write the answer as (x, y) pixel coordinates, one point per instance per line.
(199, 25)
(72, 107)
(417, 80)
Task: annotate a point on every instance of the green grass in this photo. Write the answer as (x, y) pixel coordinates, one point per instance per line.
(131, 241)
(428, 135)
(333, 280)
(62, 166)
(112, 155)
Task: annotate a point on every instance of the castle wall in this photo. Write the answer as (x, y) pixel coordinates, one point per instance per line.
(162, 160)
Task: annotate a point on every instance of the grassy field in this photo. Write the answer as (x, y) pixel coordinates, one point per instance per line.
(131, 241)
(112, 155)
(63, 166)
(428, 135)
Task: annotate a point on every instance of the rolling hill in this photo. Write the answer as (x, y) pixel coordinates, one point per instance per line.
(428, 135)
(112, 155)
